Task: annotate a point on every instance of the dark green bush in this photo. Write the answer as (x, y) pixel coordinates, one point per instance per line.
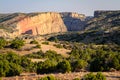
(53, 39)
(34, 42)
(50, 77)
(91, 76)
(46, 43)
(12, 64)
(80, 64)
(64, 66)
(3, 43)
(47, 66)
(76, 79)
(17, 44)
(38, 46)
(100, 76)
(58, 45)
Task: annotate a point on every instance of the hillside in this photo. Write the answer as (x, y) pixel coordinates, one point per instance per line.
(103, 28)
(67, 45)
(104, 20)
(41, 23)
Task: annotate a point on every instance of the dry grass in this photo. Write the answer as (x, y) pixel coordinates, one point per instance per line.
(66, 76)
(29, 49)
(51, 46)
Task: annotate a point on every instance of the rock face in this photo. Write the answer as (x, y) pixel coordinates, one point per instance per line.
(73, 21)
(42, 23)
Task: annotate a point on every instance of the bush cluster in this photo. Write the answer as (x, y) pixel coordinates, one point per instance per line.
(46, 43)
(34, 42)
(50, 77)
(17, 43)
(3, 43)
(12, 64)
(91, 76)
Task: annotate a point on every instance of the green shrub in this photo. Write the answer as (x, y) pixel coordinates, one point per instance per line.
(34, 42)
(10, 65)
(3, 43)
(55, 39)
(38, 46)
(76, 79)
(14, 69)
(80, 64)
(17, 44)
(46, 43)
(58, 45)
(64, 66)
(91, 76)
(100, 76)
(50, 77)
(47, 66)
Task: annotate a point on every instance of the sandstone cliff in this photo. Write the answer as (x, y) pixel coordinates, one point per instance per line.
(41, 23)
(44, 23)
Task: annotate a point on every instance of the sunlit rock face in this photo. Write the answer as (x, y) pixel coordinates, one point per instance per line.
(43, 23)
(73, 21)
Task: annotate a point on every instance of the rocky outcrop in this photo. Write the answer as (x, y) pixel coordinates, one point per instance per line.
(74, 21)
(42, 23)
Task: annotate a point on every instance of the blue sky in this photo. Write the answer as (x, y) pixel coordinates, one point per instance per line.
(80, 6)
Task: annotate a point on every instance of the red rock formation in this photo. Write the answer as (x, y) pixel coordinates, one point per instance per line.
(44, 23)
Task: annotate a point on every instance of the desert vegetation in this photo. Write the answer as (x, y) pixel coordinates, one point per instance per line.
(94, 50)
(83, 57)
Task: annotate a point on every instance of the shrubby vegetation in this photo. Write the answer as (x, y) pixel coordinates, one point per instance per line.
(38, 46)
(50, 77)
(76, 79)
(17, 43)
(48, 66)
(34, 42)
(58, 45)
(3, 43)
(12, 64)
(82, 57)
(91, 76)
(50, 54)
(46, 43)
(64, 66)
(98, 58)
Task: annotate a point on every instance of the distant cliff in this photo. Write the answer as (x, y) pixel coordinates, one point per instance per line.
(74, 21)
(104, 20)
(41, 23)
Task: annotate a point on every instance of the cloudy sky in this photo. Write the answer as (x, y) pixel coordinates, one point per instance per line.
(80, 6)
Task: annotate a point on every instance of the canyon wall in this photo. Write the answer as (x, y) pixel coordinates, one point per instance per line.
(42, 23)
(73, 21)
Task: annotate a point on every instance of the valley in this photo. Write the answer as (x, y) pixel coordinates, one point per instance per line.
(60, 46)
